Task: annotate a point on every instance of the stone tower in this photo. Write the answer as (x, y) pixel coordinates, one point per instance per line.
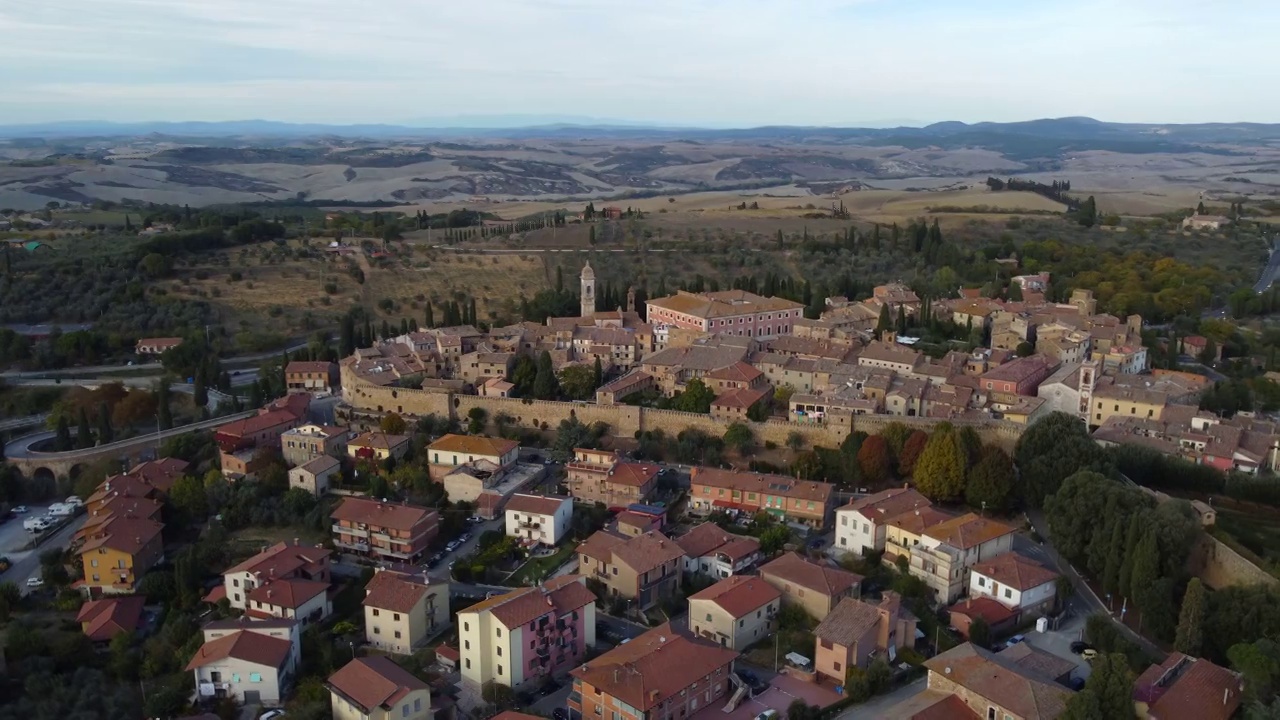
(588, 294)
(631, 299)
(1088, 381)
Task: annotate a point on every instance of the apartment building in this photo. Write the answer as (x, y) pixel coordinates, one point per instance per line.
(250, 661)
(727, 312)
(947, 551)
(450, 451)
(376, 688)
(403, 609)
(862, 525)
(305, 443)
(598, 476)
(645, 568)
(317, 377)
(527, 634)
(484, 363)
(890, 356)
(856, 631)
(737, 492)
(306, 601)
(906, 529)
(392, 532)
(284, 560)
(711, 552)
(665, 674)
(118, 554)
(736, 612)
(536, 519)
(817, 588)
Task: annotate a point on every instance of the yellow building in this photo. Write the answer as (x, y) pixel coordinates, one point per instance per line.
(375, 688)
(1129, 402)
(120, 552)
(403, 611)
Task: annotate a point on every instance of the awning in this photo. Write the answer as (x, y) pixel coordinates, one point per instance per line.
(732, 505)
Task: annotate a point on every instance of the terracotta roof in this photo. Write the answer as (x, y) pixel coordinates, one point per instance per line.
(160, 474)
(848, 622)
(737, 372)
(282, 559)
(397, 516)
(256, 423)
(1021, 369)
(725, 303)
(535, 504)
(473, 445)
(307, 366)
(638, 520)
(780, 485)
(245, 645)
(104, 619)
(740, 398)
(600, 545)
(654, 667)
(1025, 656)
(374, 682)
(319, 465)
(968, 531)
(523, 605)
(1187, 688)
(1023, 692)
(829, 581)
(121, 486)
(645, 552)
(889, 352)
(991, 611)
(887, 504)
(950, 707)
(1015, 571)
(448, 653)
(707, 538)
(739, 595)
(165, 342)
(296, 404)
(378, 441)
(633, 474)
(395, 591)
(290, 593)
(128, 535)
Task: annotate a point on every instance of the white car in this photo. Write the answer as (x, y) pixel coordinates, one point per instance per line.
(35, 582)
(74, 500)
(20, 510)
(271, 714)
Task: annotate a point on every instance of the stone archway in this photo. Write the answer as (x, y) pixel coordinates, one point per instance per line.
(74, 472)
(43, 483)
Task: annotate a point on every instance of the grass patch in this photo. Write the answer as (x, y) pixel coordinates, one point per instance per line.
(536, 569)
(247, 542)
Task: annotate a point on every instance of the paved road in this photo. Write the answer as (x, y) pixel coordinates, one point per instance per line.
(26, 564)
(21, 447)
(878, 706)
(1268, 273)
(18, 423)
(91, 369)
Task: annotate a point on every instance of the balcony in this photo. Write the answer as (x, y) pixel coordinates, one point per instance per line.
(529, 525)
(348, 545)
(346, 530)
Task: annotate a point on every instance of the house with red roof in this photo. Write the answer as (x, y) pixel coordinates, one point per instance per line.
(403, 609)
(537, 519)
(1186, 687)
(735, 612)
(376, 688)
(250, 661)
(102, 620)
(284, 561)
(1017, 582)
(600, 476)
(392, 532)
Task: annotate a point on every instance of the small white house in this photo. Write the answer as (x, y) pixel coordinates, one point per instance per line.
(535, 518)
(1015, 582)
(861, 525)
(250, 661)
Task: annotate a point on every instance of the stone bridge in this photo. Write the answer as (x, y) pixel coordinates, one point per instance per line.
(52, 465)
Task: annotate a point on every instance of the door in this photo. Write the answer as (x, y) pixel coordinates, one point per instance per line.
(252, 697)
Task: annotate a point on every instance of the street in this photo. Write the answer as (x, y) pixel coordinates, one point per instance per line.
(876, 707)
(26, 563)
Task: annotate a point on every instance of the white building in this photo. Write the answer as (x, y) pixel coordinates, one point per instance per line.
(1015, 582)
(252, 661)
(860, 525)
(534, 518)
(711, 552)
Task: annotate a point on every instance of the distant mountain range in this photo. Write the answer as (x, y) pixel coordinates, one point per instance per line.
(1073, 130)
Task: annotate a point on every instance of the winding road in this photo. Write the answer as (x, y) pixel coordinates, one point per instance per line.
(20, 448)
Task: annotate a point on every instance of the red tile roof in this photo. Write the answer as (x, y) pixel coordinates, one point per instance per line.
(256, 423)
(647, 551)
(740, 398)
(397, 516)
(559, 596)
(283, 559)
(104, 619)
(394, 591)
(739, 595)
(291, 593)
(654, 667)
(251, 647)
(1023, 692)
(888, 504)
(535, 504)
(949, 707)
(1016, 571)
(473, 445)
(1184, 687)
(306, 366)
(708, 537)
(128, 535)
(378, 441)
(991, 611)
(737, 372)
(829, 581)
(968, 531)
(780, 485)
(374, 682)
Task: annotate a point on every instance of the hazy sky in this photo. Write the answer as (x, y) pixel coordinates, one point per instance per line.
(707, 62)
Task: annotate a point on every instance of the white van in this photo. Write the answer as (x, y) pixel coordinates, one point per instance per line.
(35, 524)
(62, 510)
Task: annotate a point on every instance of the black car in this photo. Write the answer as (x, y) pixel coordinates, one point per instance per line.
(1076, 683)
(560, 714)
(1080, 646)
(548, 688)
(753, 681)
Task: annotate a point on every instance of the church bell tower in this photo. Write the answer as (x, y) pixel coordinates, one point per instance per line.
(588, 293)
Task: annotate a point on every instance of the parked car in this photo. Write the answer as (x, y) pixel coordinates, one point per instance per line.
(4, 564)
(1076, 683)
(1014, 640)
(20, 510)
(769, 714)
(753, 681)
(271, 714)
(453, 545)
(1080, 646)
(560, 714)
(1089, 654)
(35, 582)
(475, 520)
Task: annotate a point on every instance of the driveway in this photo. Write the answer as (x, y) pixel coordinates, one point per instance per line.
(878, 706)
(1058, 642)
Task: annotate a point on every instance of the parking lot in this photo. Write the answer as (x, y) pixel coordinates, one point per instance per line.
(26, 563)
(1058, 642)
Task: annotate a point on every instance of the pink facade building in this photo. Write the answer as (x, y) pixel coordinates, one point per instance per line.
(729, 312)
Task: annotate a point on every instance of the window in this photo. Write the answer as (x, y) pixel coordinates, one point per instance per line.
(499, 650)
(991, 713)
(235, 678)
(835, 666)
(396, 617)
(708, 617)
(466, 644)
(397, 634)
(468, 663)
(255, 677)
(417, 704)
(94, 563)
(1008, 593)
(499, 669)
(404, 711)
(375, 612)
(982, 582)
(742, 623)
(377, 630)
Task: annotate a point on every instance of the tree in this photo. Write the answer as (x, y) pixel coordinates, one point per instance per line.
(940, 472)
(1210, 352)
(62, 435)
(597, 374)
(1132, 536)
(990, 481)
(980, 633)
(795, 441)
(774, 538)
(200, 391)
(1107, 694)
(874, 459)
(393, 424)
(1190, 635)
(545, 386)
(897, 434)
(105, 434)
(84, 434)
(1146, 567)
(578, 382)
(696, 397)
(188, 497)
(1115, 559)
(1087, 215)
(886, 320)
(164, 414)
(739, 437)
(1051, 450)
(909, 456)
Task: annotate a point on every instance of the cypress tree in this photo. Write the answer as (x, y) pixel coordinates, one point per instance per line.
(163, 411)
(1115, 558)
(472, 311)
(84, 434)
(431, 316)
(1131, 537)
(1190, 635)
(200, 393)
(62, 435)
(885, 322)
(597, 378)
(105, 434)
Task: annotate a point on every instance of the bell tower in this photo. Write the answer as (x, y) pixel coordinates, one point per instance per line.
(1088, 381)
(588, 294)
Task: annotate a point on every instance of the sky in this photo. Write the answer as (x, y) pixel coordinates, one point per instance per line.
(713, 63)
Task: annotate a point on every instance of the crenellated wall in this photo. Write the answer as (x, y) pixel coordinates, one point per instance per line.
(627, 420)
